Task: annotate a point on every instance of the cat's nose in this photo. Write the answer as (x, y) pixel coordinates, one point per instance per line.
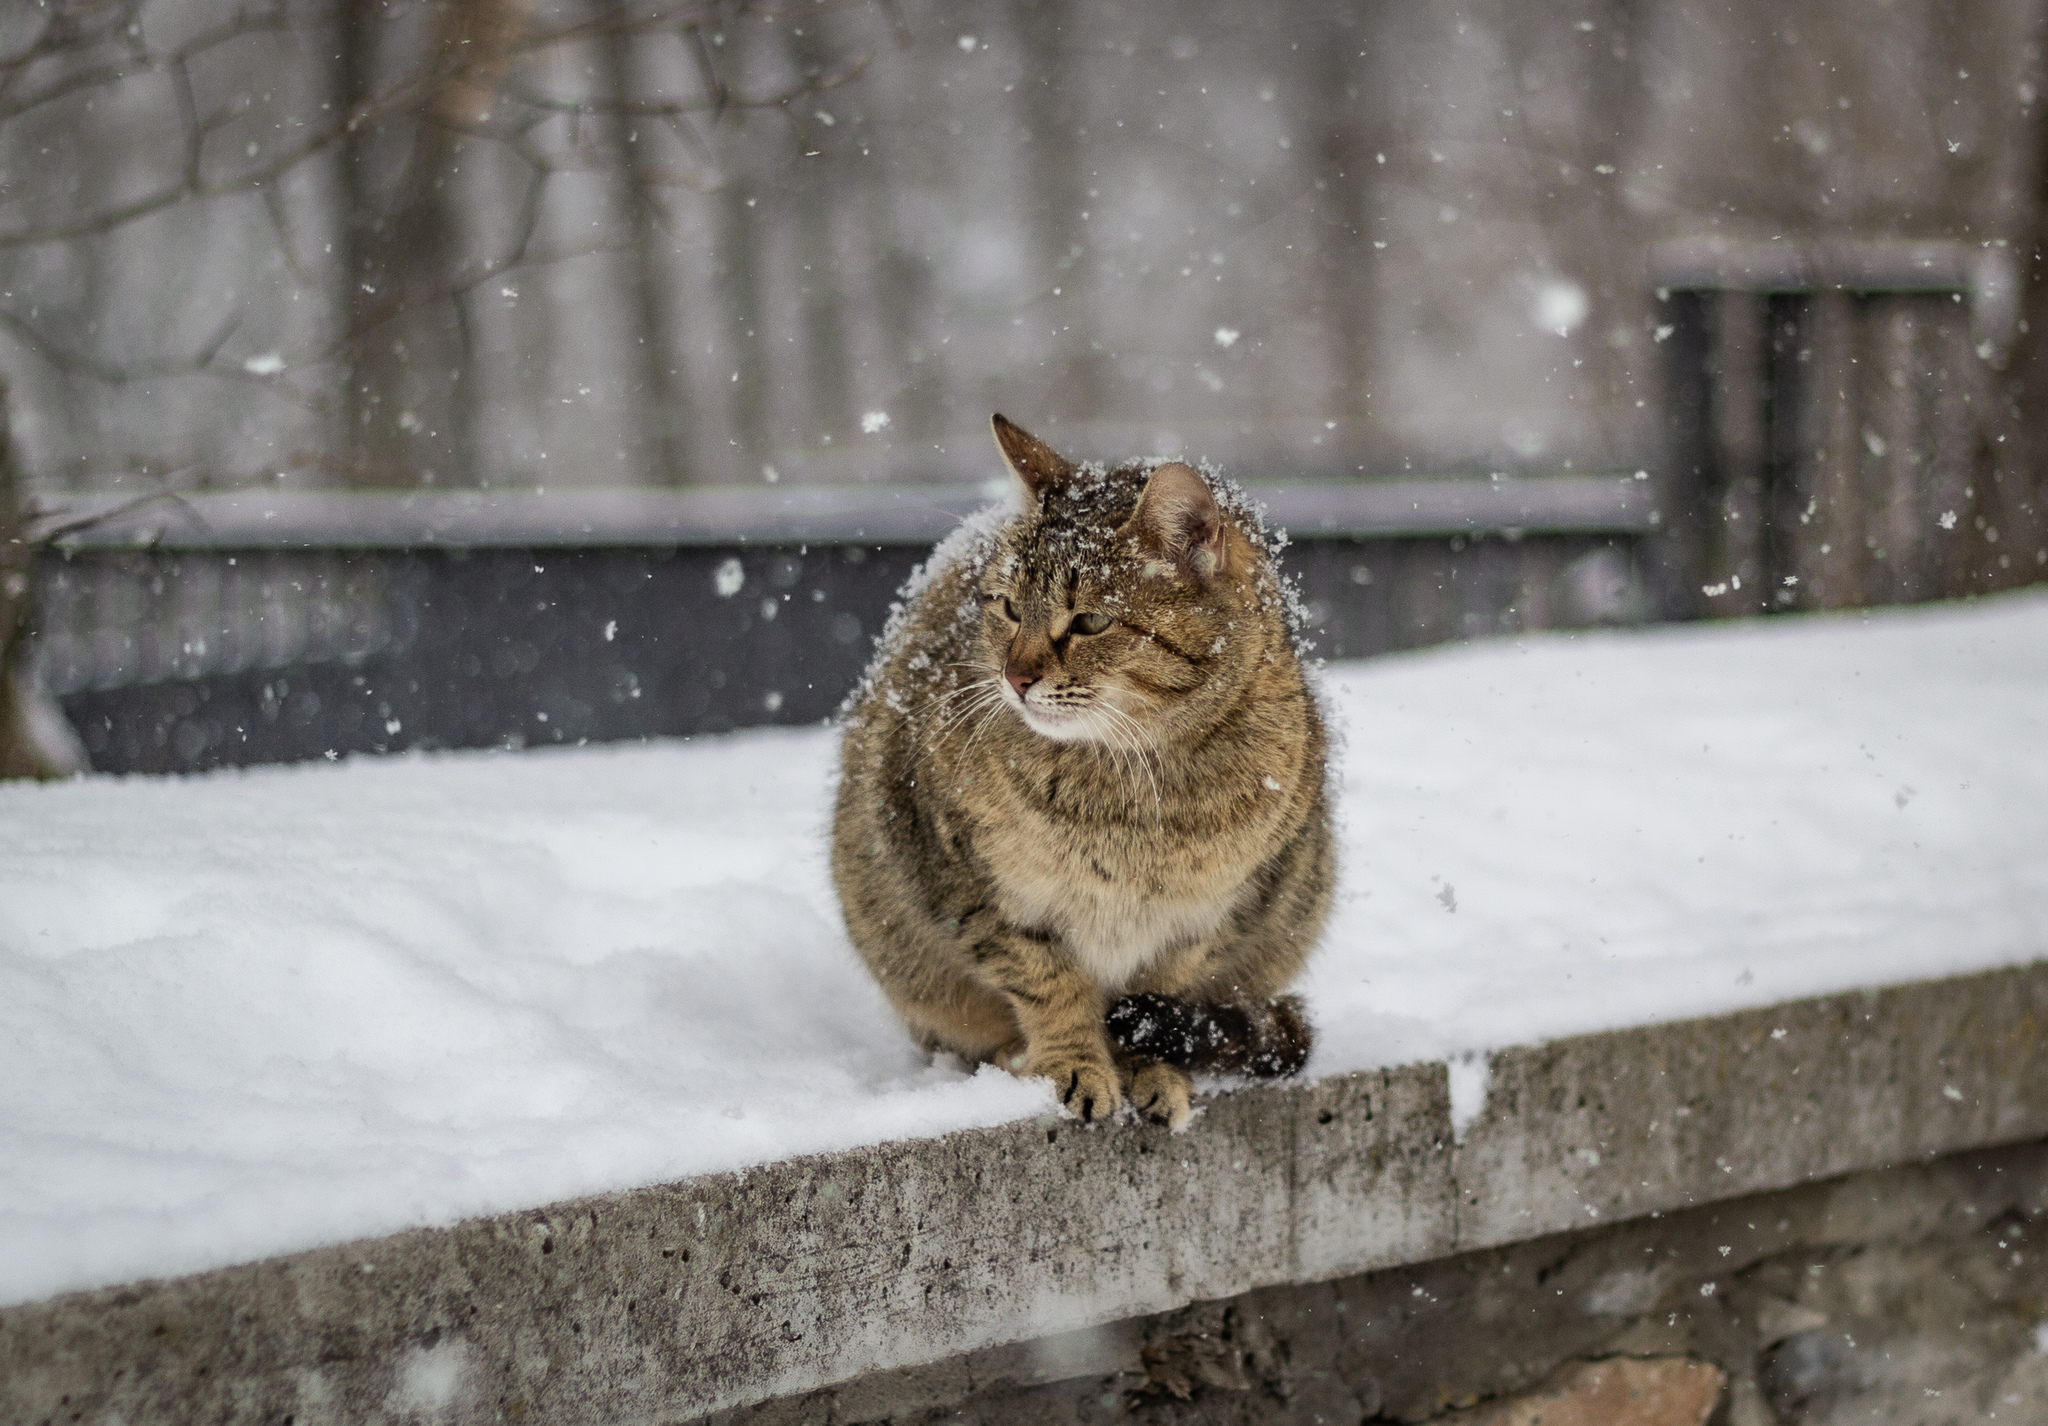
(1020, 680)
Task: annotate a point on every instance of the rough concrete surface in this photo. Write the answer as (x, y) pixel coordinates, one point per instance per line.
(859, 1271)
(1912, 1296)
(1610, 1126)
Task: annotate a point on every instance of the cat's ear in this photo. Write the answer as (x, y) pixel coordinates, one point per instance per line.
(1177, 517)
(1035, 462)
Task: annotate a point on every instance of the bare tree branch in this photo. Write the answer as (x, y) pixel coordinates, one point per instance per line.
(446, 90)
(63, 528)
(202, 359)
(670, 108)
(449, 92)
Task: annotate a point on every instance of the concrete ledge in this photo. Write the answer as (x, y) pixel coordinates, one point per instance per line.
(1638, 1121)
(671, 1302)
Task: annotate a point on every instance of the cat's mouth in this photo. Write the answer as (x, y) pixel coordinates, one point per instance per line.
(1069, 716)
(1062, 725)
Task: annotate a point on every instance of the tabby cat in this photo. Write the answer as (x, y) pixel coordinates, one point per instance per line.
(1082, 828)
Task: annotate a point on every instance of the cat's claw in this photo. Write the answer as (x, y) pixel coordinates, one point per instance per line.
(1164, 1095)
(1089, 1092)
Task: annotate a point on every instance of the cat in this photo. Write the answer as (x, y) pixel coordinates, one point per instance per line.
(1082, 828)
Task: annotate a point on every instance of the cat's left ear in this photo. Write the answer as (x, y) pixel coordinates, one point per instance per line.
(1037, 464)
(1179, 518)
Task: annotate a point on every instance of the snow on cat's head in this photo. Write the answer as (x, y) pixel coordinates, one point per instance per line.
(1124, 606)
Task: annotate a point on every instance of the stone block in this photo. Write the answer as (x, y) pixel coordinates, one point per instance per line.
(1621, 1391)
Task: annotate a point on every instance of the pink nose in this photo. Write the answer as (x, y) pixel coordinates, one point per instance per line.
(1019, 681)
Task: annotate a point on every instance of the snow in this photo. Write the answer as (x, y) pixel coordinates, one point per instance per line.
(253, 1012)
(1642, 827)
(1559, 306)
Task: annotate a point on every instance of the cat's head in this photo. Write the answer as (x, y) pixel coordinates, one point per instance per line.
(1125, 606)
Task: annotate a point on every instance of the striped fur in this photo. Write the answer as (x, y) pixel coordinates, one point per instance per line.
(1086, 765)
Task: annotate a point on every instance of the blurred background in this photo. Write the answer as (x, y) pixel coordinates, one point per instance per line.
(402, 373)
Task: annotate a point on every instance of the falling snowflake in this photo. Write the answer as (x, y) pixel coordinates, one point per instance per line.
(874, 421)
(269, 364)
(1947, 520)
(1227, 336)
(1559, 306)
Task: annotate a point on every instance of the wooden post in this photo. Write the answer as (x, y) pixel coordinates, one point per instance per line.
(1734, 512)
(1831, 538)
(1894, 438)
(1951, 494)
(1680, 565)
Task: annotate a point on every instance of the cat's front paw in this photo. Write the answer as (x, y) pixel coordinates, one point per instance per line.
(1087, 1088)
(1163, 1095)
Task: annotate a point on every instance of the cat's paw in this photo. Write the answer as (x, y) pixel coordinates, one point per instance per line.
(1087, 1088)
(1163, 1095)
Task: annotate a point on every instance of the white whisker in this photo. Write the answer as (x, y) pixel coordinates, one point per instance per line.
(989, 698)
(1130, 734)
(944, 713)
(993, 713)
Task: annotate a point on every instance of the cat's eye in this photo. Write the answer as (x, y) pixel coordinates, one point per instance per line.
(1091, 623)
(1003, 600)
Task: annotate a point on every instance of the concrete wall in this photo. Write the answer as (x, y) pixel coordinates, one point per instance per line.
(1897, 1295)
(1911, 1294)
(668, 1303)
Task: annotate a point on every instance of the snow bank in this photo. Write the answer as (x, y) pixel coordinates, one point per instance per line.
(254, 1012)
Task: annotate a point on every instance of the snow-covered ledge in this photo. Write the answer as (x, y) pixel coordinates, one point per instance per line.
(393, 1004)
(664, 1303)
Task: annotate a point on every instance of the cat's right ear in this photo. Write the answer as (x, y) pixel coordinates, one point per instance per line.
(1037, 464)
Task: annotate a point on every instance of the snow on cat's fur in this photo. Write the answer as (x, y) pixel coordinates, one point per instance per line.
(1088, 775)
